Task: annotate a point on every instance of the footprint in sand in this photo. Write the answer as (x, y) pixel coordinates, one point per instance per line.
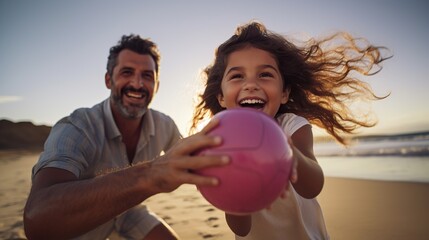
(169, 207)
(190, 198)
(211, 221)
(208, 235)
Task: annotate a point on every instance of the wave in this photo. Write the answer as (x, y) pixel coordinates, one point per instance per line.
(411, 144)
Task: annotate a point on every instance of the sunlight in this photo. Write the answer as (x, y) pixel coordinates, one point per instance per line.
(6, 99)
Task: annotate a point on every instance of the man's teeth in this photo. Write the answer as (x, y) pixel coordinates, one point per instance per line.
(134, 95)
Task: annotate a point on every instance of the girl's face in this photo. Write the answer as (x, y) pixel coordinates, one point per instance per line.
(252, 79)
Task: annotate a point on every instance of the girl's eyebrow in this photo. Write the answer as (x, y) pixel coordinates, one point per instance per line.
(233, 69)
(238, 68)
(269, 66)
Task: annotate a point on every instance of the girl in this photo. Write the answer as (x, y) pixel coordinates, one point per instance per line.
(297, 86)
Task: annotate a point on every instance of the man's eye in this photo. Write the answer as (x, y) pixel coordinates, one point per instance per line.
(127, 72)
(147, 76)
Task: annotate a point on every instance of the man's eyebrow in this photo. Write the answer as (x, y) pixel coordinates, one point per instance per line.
(126, 68)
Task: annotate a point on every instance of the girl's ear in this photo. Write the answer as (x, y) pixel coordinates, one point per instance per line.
(107, 80)
(221, 100)
(285, 95)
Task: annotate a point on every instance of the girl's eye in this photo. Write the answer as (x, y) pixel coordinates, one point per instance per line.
(236, 76)
(266, 74)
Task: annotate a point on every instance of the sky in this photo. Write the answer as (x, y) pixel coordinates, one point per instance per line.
(53, 54)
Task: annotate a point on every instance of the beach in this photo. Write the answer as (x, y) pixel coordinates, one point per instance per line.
(353, 208)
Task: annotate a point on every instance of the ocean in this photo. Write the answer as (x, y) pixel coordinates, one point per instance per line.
(402, 157)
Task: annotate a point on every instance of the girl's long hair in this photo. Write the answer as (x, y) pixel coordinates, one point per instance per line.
(322, 75)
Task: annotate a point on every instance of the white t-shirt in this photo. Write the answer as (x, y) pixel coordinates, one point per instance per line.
(294, 217)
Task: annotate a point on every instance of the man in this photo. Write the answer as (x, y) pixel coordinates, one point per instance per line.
(99, 164)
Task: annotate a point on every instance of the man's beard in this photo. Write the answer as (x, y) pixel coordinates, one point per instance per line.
(133, 111)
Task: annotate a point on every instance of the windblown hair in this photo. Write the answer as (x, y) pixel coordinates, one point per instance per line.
(136, 44)
(321, 75)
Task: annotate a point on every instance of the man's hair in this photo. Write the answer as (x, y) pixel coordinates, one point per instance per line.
(136, 44)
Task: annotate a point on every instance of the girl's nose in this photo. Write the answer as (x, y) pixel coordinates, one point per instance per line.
(251, 84)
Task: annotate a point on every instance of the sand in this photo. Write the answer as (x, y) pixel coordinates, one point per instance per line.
(353, 209)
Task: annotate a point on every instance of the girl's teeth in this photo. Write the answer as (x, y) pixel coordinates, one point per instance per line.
(251, 101)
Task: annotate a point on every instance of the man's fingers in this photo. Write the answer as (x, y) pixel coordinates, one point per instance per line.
(199, 180)
(214, 122)
(200, 162)
(198, 141)
(190, 164)
(195, 143)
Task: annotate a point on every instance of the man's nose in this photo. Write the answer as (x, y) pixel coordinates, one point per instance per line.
(137, 81)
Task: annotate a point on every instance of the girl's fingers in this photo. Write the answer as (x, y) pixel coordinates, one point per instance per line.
(294, 176)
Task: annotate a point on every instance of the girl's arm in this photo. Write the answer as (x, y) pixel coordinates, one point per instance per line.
(240, 225)
(310, 178)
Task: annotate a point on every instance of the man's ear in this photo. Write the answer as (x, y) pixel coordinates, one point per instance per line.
(221, 100)
(157, 85)
(107, 80)
(285, 95)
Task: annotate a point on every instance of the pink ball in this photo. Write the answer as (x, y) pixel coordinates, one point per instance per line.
(261, 162)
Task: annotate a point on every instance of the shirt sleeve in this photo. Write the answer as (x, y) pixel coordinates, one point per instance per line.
(290, 123)
(175, 135)
(65, 148)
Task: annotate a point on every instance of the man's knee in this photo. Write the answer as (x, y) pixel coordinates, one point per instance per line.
(162, 231)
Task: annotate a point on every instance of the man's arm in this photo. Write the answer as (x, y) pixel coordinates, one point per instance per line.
(60, 206)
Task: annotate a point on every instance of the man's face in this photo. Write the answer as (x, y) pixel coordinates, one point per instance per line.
(132, 84)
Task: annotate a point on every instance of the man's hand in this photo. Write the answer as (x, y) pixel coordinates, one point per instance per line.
(176, 167)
